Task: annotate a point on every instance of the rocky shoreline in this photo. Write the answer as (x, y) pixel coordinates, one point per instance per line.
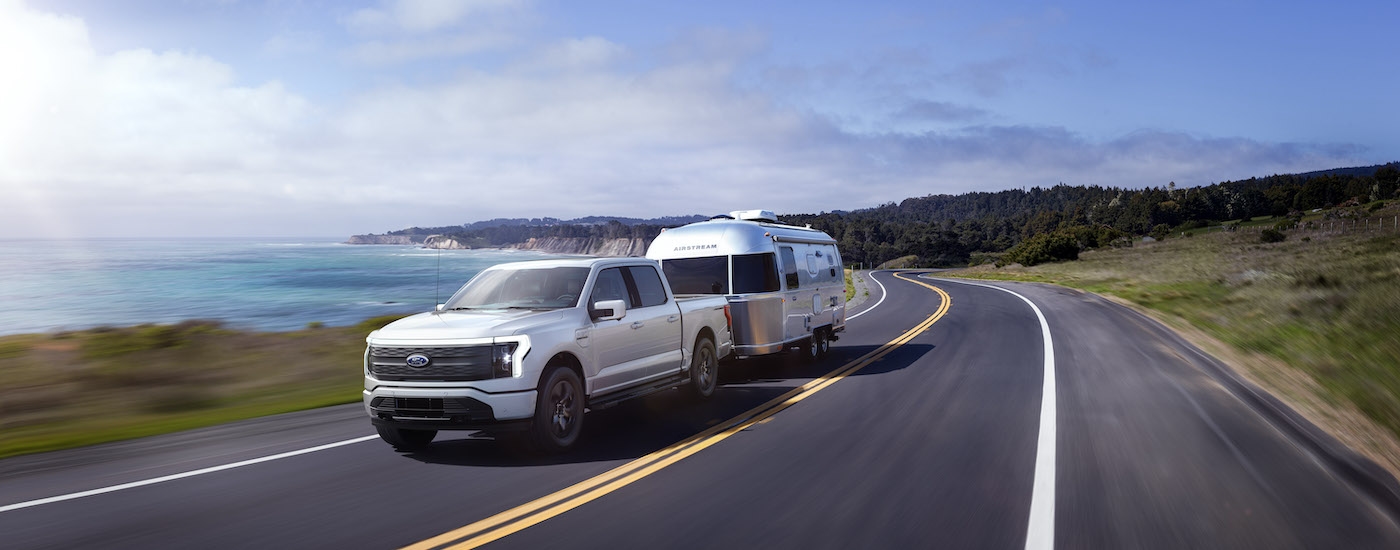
(584, 246)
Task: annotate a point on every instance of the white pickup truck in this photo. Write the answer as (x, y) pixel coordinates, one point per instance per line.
(526, 347)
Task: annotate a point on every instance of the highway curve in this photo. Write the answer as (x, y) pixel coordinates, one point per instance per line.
(930, 425)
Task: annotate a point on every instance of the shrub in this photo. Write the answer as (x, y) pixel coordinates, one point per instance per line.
(1045, 247)
(1271, 236)
(1160, 231)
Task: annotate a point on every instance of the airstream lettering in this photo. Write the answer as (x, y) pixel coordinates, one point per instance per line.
(784, 283)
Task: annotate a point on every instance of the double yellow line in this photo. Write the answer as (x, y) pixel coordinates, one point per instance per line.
(544, 508)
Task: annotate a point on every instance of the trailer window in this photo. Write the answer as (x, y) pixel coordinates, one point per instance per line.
(789, 267)
(708, 275)
(756, 273)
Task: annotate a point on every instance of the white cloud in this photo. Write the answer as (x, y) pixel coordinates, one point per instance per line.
(417, 16)
(387, 52)
(293, 43)
(407, 30)
(139, 142)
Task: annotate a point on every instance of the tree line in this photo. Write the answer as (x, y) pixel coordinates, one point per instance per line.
(1060, 221)
(1024, 226)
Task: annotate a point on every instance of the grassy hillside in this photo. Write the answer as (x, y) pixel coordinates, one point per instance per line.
(93, 386)
(1315, 318)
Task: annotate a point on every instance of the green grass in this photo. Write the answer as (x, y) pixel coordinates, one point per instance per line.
(900, 263)
(108, 384)
(1328, 306)
(850, 288)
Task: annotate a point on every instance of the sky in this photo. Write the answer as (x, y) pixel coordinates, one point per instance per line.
(227, 118)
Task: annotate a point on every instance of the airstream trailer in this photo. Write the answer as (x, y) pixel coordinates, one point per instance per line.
(784, 283)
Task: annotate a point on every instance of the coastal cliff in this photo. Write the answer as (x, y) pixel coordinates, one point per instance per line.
(584, 246)
(384, 239)
(587, 246)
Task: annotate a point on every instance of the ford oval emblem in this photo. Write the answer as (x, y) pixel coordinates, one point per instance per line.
(417, 360)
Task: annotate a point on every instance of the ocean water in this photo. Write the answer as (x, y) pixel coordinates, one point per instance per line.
(260, 284)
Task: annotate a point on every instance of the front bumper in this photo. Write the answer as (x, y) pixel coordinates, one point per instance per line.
(447, 408)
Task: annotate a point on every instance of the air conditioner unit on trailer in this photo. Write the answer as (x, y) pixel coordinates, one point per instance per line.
(755, 215)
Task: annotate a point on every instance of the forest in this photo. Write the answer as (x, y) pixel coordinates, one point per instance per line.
(1024, 225)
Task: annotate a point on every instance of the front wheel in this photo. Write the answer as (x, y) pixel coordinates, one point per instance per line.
(704, 369)
(558, 411)
(406, 440)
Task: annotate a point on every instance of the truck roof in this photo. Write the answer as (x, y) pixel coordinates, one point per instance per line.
(571, 262)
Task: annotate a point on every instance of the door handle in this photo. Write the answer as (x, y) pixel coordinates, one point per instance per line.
(673, 318)
(636, 325)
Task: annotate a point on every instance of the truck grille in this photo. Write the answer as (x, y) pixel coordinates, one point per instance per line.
(447, 364)
(454, 408)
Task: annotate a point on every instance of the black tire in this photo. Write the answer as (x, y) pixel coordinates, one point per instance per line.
(558, 411)
(406, 440)
(811, 349)
(822, 343)
(704, 369)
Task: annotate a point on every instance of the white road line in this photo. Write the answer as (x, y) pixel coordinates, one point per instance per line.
(173, 477)
(871, 274)
(1040, 533)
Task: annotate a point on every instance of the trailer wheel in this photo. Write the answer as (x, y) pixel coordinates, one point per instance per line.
(816, 347)
(406, 440)
(558, 411)
(704, 369)
(823, 342)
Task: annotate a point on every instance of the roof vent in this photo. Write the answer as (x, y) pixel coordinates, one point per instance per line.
(755, 215)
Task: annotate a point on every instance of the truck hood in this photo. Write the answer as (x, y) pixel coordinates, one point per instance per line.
(455, 325)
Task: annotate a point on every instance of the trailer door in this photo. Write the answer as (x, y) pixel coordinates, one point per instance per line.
(796, 309)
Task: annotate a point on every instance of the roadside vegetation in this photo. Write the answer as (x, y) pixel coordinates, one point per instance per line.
(106, 384)
(1309, 314)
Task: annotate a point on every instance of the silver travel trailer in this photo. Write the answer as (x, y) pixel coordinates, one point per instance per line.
(784, 283)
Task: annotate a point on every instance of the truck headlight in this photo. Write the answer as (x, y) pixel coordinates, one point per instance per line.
(503, 360)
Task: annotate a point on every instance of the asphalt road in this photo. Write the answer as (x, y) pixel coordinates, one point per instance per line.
(928, 426)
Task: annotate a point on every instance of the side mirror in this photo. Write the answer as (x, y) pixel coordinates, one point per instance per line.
(439, 307)
(608, 310)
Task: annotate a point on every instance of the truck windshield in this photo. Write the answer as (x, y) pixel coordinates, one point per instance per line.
(531, 288)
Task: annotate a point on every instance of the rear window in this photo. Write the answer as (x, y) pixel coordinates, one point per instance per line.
(756, 273)
(708, 275)
(649, 289)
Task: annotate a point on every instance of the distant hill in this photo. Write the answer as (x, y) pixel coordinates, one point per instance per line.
(948, 230)
(1353, 171)
(665, 221)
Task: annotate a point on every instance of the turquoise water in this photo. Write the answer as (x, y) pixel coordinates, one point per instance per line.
(262, 284)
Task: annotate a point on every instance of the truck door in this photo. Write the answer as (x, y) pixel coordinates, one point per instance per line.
(616, 352)
(646, 341)
(658, 322)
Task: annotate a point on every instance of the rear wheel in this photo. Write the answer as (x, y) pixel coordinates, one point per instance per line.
(816, 346)
(704, 369)
(406, 440)
(822, 342)
(558, 411)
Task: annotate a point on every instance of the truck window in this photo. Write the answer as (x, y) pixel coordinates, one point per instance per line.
(610, 286)
(649, 288)
(756, 273)
(708, 275)
(789, 266)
